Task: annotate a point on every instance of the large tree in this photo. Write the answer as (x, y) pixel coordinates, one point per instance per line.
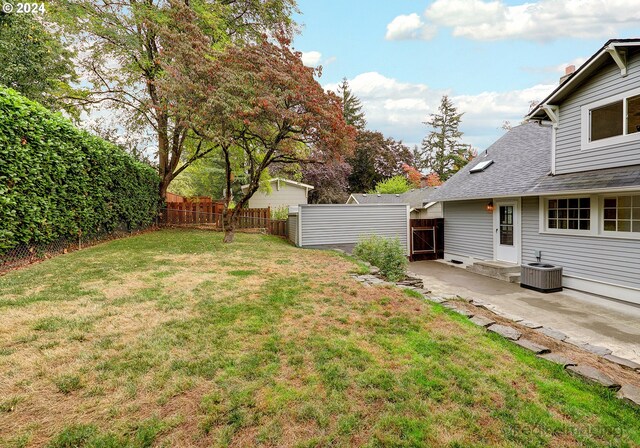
(122, 44)
(35, 62)
(330, 181)
(443, 152)
(256, 103)
(376, 158)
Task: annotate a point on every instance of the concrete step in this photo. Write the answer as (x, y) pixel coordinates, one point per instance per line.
(507, 272)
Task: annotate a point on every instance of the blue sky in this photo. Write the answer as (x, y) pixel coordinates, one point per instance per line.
(492, 57)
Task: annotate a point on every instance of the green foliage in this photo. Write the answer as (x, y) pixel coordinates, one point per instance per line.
(393, 185)
(280, 212)
(442, 151)
(387, 254)
(57, 181)
(351, 106)
(35, 62)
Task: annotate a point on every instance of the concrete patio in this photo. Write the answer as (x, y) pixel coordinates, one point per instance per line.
(584, 318)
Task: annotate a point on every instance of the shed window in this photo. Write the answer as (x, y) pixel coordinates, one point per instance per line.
(569, 213)
(621, 214)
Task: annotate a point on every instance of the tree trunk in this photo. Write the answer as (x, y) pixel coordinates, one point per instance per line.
(229, 225)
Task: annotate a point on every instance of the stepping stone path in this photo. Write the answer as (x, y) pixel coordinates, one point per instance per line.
(594, 376)
(530, 345)
(531, 325)
(482, 321)
(555, 334)
(436, 299)
(600, 351)
(507, 332)
(630, 393)
(558, 359)
(622, 362)
(463, 312)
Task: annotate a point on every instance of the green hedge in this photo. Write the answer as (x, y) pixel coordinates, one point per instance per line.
(56, 180)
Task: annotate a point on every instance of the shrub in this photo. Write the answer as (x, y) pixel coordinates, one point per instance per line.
(387, 254)
(394, 185)
(280, 212)
(57, 181)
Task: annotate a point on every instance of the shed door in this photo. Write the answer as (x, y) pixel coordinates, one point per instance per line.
(506, 219)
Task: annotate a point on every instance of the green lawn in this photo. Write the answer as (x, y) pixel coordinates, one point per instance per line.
(172, 339)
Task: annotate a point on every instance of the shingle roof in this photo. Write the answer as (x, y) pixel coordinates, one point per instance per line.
(520, 158)
(626, 176)
(415, 198)
(522, 167)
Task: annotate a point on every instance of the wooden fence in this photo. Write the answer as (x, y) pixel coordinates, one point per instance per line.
(211, 214)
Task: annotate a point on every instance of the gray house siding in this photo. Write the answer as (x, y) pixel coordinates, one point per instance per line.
(468, 229)
(340, 225)
(286, 196)
(609, 260)
(606, 83)
(292, 228)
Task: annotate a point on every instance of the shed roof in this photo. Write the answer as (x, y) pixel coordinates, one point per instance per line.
(286, 181)
(415, 198)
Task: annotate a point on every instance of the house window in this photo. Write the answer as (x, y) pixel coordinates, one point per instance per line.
(569, 213)
(621, 214)
(616, 118)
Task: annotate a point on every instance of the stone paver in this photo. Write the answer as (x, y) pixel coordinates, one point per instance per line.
(558, 359)
(507, 332)
(463, 312)
(598, 350)
(482, 321)
(436, 299)
(630, 393)
(555, 334)
(534, 347)
(532, 325)
(593, 375)
(622, 362)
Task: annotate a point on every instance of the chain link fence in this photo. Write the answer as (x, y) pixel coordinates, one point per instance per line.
(25, 254)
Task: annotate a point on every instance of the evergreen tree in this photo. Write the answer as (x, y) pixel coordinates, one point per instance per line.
(442, 151)
(351, 107)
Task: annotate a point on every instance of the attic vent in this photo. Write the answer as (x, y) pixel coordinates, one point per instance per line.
(481, 166)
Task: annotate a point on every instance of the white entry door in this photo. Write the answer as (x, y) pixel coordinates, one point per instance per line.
(506, 223)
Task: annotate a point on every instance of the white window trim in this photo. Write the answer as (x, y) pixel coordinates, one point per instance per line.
(610, 233)
(544, 213)
(597, 217)
(585, 121)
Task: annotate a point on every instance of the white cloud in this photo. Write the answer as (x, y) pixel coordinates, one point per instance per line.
(311, 58)
(398, 109)
(409, 27)
(544, 20)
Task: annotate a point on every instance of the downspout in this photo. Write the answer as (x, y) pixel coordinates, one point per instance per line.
(553, 112)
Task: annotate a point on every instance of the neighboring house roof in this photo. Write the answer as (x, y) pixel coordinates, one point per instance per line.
(520, 158)
(286, 181)
(610, 52)
(416, 198)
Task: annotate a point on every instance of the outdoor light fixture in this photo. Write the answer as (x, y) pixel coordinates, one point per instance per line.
(490, 207)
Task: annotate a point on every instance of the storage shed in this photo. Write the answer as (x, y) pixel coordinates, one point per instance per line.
(327, 226)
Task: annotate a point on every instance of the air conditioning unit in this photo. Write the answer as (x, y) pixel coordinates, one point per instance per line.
(541, 277)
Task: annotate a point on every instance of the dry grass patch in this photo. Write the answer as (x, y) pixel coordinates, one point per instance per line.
(173, 339)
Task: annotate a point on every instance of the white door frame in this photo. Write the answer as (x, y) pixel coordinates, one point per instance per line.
(517, 227)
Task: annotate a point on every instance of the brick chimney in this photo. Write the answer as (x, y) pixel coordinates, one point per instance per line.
(568, 71)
